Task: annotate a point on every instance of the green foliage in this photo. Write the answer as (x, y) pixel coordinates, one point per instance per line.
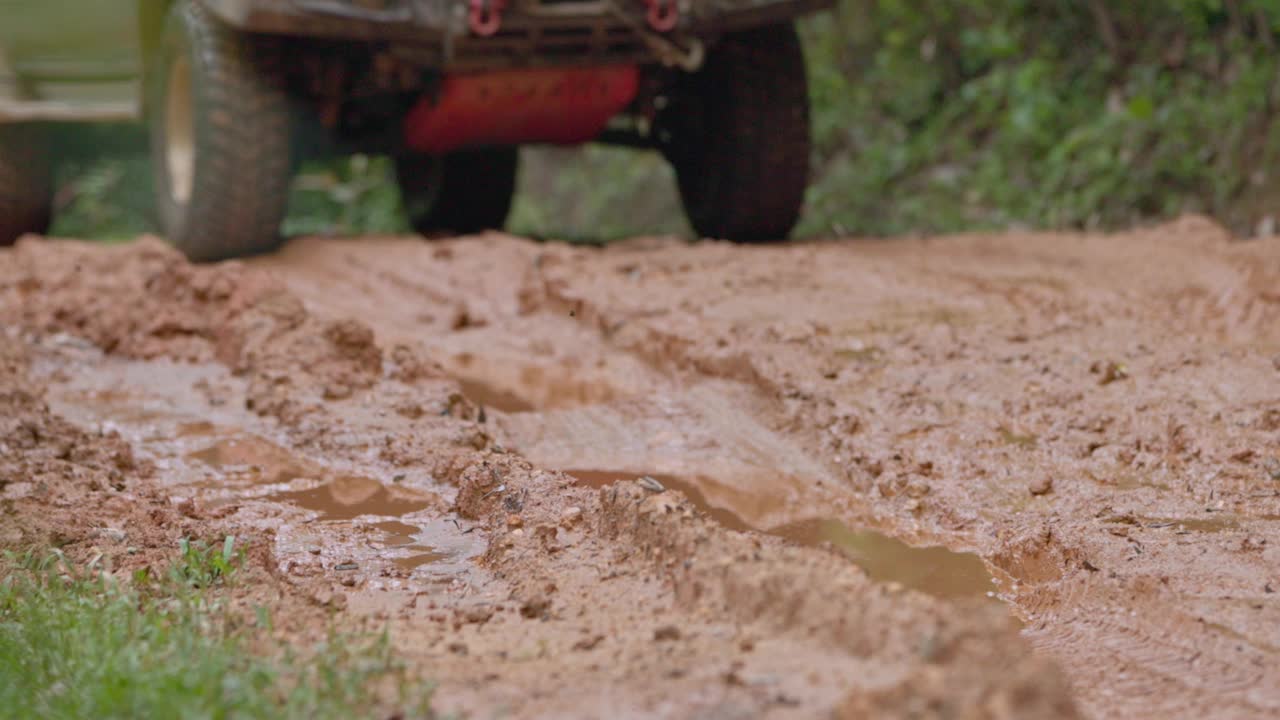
(938, 115)
(76, 643)
(928, 115)
(352, 195)
(595, 194)
(202, 566)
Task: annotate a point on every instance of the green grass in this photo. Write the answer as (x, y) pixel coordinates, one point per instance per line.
(77, 643)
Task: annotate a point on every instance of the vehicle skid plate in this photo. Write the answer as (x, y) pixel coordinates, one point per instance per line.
(563, 106)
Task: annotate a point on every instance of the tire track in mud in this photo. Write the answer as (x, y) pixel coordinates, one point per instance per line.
(330, 442)
(569, 399)
(1144, 673)
(1076, 409)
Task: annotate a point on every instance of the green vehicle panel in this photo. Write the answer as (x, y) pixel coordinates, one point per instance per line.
(71, 59)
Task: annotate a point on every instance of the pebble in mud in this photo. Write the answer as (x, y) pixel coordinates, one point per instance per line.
(666, 632)
(535, 606)
(571, 515)
(1042, 485)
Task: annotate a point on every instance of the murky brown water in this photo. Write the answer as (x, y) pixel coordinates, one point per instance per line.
(262, 461)
(347, 498)
(403, 536)
(935, 570)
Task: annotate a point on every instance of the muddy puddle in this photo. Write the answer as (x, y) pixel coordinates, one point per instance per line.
(347, 498)
(410, 543)
(225, 457)
(934, 570)
(405, 537)
(249, 458)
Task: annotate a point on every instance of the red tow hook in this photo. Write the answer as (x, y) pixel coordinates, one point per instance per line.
(485, 17)
(663, 14)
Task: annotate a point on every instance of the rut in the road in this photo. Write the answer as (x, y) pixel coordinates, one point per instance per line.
(330, 441)
(1075, 409)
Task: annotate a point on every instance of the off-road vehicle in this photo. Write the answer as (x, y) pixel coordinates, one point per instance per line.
(236, 93)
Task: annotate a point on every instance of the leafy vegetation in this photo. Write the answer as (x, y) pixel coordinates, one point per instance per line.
(929, 115)
(76, 642)
(946, 114)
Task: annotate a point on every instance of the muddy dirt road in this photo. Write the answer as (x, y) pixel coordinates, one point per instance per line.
(1030, 476)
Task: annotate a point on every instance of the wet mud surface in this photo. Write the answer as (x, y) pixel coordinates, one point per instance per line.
(1014, 476)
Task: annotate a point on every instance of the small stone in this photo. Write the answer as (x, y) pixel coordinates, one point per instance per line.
(666, 632)
(515, 521)
(918, 488)
(314, 549)
(535, 606)
(1042, 485)
(478, 614)
(337, 390)
(112, 534)
(346, 566)
(588, 643)
(186, 506)
(650, 484)
(1111, 372)
(349, 581)
(571, 515)
(1272, 468)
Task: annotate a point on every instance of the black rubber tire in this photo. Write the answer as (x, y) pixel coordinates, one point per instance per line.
(463, 192)
(240, 137)
(26, 182)
(737, 133)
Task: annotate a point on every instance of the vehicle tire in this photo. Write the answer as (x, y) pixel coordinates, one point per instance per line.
(220, 127)
(462, 192)
(737, 134)
(26, 182)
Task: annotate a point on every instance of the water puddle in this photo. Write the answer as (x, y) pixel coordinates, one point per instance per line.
(481, 393)
(437, 543)
(215, 447)
(347, 498)
(935, 570)
(404, 537)
(416, 561)
(251, 457)
(397, 533)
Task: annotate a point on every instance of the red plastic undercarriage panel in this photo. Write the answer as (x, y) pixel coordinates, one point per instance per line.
(511, 107)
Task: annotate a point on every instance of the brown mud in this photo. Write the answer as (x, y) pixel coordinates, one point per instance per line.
(1014, 476)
